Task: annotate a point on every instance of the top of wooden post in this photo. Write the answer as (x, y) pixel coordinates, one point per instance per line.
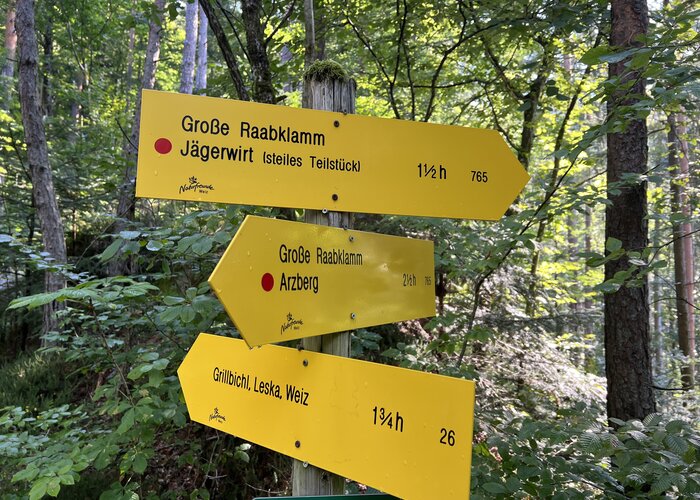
(325, 70)
(328, 87)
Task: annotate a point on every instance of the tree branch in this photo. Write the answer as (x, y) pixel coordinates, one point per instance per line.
(226, 51)
(284, 19)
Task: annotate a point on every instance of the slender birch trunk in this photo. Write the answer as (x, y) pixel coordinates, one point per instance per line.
(189, 49)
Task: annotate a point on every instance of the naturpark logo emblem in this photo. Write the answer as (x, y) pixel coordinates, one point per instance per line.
(292, 323)
(217, 416)
(196, 186)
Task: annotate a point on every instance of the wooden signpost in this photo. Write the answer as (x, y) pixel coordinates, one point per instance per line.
(283, 280)
(404, 432)
(222, 150)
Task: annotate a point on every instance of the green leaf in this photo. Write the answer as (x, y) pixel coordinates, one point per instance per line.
(494, 488)
(139, 370)
(129, 235)
(155, 378)
(64, 466)
(170, 314)
(160, 364)
(53, 487)
(202, 246)
(34, 301)
(187, 314)
(618, 56)
(67, 479)
(593, 56)
(171, 301)
(652, 419)
(591, 442)
(676, 444)
(675, 426)
(131, 247)
(613, 244)
(110, 251)
(154, 245)
(127, 422)
(39, 489)
(27, 474)
(140, 463)
(222, 237)
(513, 484)
(661, 485)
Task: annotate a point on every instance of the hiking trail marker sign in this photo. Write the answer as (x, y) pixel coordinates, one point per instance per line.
(281, 280)
(222, 150)
(404, 432)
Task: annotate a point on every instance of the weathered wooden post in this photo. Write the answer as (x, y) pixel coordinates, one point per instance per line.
(326, 87)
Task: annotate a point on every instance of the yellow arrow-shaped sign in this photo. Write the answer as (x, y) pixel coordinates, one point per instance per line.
(222, 150)
(404, 432)
(281, 280)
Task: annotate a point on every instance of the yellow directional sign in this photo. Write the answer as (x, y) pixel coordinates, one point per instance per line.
(404, 432)
(222, 150)
(281, 280)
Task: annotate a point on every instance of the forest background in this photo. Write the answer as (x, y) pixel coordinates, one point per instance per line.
(102, 293)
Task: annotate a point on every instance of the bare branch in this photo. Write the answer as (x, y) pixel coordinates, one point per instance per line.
(284, 19)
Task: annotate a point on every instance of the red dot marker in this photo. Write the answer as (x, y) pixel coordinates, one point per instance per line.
(267, 282)
(163, 146)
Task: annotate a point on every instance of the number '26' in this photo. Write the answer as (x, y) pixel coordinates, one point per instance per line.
(447, 436)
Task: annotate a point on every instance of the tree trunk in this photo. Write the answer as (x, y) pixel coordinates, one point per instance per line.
(329, 95)
(189, 48)
(8, 69)
(76, 108)
(310, 34)
(682, 244)
(38, 154)
(657, 301)
(226, 50)
(263, 90)
(200, 81)
(627, 357)
(126, 208)
(320, 30)
(129, 70)
(47, 70)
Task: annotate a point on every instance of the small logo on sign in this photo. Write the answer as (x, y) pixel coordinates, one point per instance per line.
(292, 323)
(217, 416)
(196, 186)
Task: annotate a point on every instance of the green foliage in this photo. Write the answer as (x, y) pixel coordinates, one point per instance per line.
(124, 338)
(40, 381)
(657, 458)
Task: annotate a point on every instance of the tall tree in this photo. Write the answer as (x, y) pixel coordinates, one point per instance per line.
(127, 197)
(189, 48)
(263, 90)
(43, 192)
(678, 155)
(627, 343)
(309, 33)
(226, 51)
(200, 79)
